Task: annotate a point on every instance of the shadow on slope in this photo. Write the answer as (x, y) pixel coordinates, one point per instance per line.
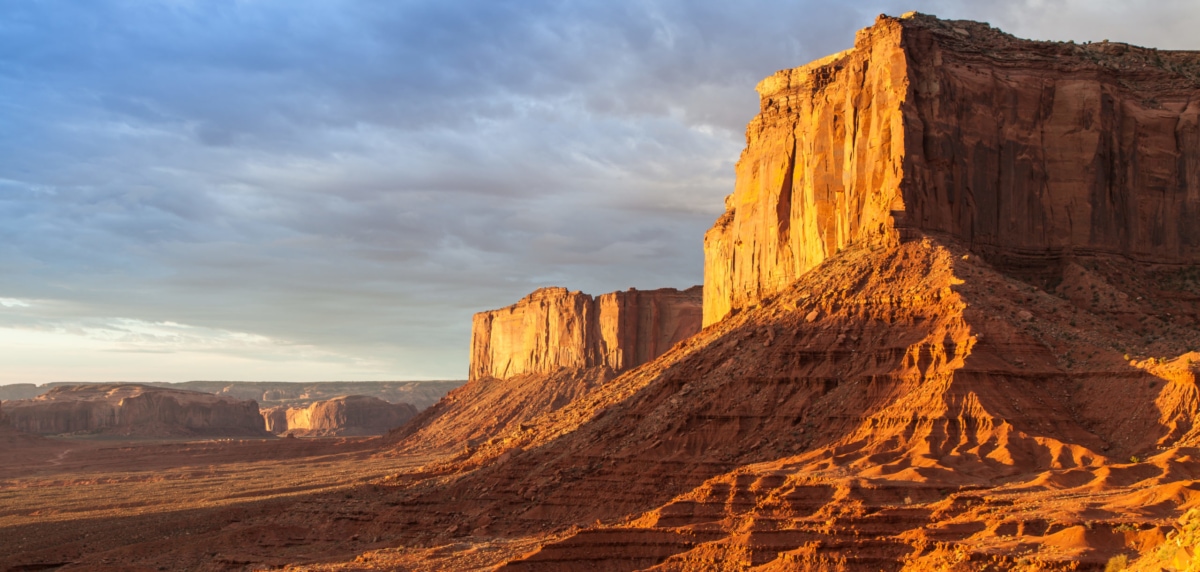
(894, 376)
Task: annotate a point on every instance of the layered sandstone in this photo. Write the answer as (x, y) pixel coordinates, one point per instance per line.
(345, 415)
(888, 396)
(554, 328)
(1026, 151)
(545, 352)
(131, 409)
(902, 403)
(892, 400)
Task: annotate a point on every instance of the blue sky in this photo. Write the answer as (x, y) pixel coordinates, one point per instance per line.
(302, 190)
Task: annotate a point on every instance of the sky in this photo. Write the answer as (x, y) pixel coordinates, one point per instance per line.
(303, 190)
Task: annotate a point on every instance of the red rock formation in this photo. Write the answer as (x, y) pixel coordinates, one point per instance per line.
(341, 416)
(549, 329)
(881, 374)
(1026, 151)
(276, 419)
(130, 409)
(419, 394)
(482, 412)
(546, 351)
(636, 326)
(553, 329)
(929, 388)
(885, 398)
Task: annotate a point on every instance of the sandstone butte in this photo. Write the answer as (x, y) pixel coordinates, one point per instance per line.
(132, 409)
(949, 310)
(549, 349)
(1025, 152)
(951, 316)
(554, 328)
(341, 416)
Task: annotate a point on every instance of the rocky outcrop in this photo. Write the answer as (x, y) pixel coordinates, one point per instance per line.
(548, 350)
(276, 419)
(1026, 151)
(346, 415)
(130, 409)
(554, 328)
(883, 385)
(419, 394)
(904, 405)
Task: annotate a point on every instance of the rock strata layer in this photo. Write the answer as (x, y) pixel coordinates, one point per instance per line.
(554, 328)
(130, 409)
(346, 415)
(1026, 151)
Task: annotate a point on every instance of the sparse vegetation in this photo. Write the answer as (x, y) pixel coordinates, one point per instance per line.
(1117, 563)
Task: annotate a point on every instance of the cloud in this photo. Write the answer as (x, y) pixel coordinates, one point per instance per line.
(360, 177)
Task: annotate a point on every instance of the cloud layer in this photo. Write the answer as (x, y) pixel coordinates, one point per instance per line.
(294, 190)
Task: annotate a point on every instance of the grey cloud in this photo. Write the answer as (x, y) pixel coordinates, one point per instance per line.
(362, 176)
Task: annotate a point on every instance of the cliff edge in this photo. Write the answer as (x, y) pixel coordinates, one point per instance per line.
(548, 350)
(1028, 152)
(554, 328)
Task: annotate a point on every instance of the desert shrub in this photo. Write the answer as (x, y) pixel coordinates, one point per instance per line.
(1117, 563)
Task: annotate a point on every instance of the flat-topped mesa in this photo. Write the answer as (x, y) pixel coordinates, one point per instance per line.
(554, 328)
(133, 409)
(1026, 151)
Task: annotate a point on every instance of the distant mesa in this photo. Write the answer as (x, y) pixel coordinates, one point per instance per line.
(419, 394)
(554, 328)
(21, 391)
(134, 410)
(10, 436)
(342, 416)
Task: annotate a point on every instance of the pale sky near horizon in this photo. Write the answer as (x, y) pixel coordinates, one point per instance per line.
(299, 190)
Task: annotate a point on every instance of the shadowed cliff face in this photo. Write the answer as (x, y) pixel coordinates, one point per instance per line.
(1026, 151)
(553, 329)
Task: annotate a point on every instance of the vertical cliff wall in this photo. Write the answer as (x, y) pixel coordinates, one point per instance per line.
(1026, 151)
(554, 328)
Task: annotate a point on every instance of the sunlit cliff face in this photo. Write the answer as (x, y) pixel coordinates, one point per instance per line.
(888, 138)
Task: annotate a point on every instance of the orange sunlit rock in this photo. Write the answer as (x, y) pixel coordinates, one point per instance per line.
(1025, 151)
(554, 328)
